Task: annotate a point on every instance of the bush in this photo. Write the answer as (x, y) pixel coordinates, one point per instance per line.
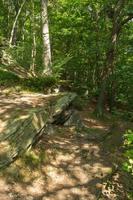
(38, 84)
(35, 84)
(8, 78)
(128, 165)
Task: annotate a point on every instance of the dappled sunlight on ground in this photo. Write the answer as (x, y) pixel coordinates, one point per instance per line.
(71, 168)
(95, 123)
(14, 106)
(63, 165)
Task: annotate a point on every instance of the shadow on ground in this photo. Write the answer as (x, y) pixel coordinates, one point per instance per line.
(62, 165)
(21, 118)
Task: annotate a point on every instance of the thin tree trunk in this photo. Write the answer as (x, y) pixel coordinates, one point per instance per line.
(15, 22)
(110, 56)
(23, 31)
(8, 19)
(33, 52)
(33, 55)
(101, 98)
(46, 39)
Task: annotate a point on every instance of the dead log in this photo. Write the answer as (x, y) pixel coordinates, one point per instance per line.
(24, 131)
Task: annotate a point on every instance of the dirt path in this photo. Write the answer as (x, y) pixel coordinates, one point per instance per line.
(72, 169)
(62, 166)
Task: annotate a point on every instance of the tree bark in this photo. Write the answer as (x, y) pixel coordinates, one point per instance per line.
(110, 58)
(33, 51)
(15, 22)
(117, 25)
(46, 39)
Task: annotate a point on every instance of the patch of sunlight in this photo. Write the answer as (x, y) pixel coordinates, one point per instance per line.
(61, 142)
(90, 120)
(3, 184)
(72, 129)
(38, 121)
(35, 121)
(78, 191)
(41, 120)
(98, 168)
(6, 116)
(81, 174)
(8, 106)
(4, 146)
(36, 188)
(21, 117)
(59, 176)
(86, 146)
(20, 189)
(95, 124)
(62, 158)
(2, 126)
(31, 94)
(100, 127)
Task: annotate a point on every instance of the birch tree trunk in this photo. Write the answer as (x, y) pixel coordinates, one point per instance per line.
(14, 24)
(46, 39)
(33, 51)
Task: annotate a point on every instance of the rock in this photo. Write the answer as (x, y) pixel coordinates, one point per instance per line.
(23, 131)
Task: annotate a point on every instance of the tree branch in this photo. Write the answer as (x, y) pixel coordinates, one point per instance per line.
(126, 20)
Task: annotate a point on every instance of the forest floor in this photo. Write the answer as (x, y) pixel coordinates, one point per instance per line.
(65, 165)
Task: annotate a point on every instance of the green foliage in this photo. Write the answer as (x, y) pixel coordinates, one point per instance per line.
(123, 114)
(58, 66)
(128, 165)
(39, 84)
(8, 78)
(128, 115)
(82, 29)
(31, 159)
(80, 33)
(35, 84)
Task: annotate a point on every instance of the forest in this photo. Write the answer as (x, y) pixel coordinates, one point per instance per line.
(66, 100)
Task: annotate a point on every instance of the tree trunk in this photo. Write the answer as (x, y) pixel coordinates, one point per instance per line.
(117, 25)
(33, 52)
(14, 24)
(46, 39)
(110, 57)
(100, 104)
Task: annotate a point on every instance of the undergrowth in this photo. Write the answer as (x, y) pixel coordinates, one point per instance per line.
(38, 84)
(8, 78)
(34, 84)
(128, 165)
